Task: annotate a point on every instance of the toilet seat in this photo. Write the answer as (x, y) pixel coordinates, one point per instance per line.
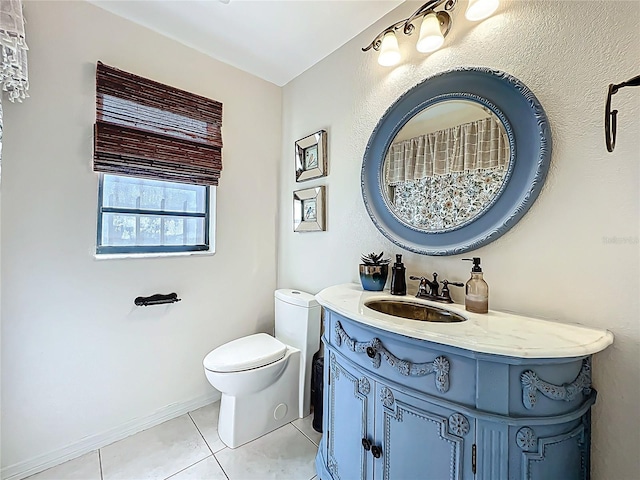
(245, 353)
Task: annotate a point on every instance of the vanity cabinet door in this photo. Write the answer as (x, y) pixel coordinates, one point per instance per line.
(349, 422)
(541, 452)
(421, 440)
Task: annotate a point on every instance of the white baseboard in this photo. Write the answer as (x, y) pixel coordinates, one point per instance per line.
(37, 464)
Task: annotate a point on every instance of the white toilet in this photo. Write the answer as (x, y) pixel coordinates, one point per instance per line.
(265, 381)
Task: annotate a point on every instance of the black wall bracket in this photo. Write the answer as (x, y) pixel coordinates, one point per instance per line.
(157, 299)
(610, 117)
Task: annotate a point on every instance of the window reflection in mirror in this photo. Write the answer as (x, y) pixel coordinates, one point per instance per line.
(446, 166)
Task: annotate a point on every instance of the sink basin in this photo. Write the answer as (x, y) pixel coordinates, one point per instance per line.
(414, 311)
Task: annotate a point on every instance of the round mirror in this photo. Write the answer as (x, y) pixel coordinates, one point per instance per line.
(446, 166)
(456, 161)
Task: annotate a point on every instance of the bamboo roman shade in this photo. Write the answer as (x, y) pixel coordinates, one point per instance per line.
(150, 130)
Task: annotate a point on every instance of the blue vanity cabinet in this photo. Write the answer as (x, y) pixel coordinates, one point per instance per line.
(400, 408)
(376, 431)
(421, 440)
(550, 451)
(349, 421)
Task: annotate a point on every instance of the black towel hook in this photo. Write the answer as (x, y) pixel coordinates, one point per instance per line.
(610, 117)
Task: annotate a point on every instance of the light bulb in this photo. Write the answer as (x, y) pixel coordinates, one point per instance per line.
(389, 51)
(431, 37)
(481, 9)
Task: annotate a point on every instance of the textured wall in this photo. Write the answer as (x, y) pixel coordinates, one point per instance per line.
(575, 256)
(78, 359)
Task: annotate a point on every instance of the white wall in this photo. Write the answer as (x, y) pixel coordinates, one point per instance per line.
(79, 361)
(556, 263)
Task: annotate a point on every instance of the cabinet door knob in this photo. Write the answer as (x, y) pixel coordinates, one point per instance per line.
(366, 444)
(376, 451)
(371, 352)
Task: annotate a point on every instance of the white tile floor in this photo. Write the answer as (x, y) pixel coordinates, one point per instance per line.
(188, 448)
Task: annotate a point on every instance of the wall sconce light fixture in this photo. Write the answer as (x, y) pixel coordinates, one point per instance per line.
(434, 27)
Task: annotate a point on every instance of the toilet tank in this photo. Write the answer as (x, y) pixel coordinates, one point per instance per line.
(298, 324)
(297, 319)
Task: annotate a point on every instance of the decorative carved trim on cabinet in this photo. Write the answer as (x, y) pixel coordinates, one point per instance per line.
(458, 424)
(526, 439)
(531, 384)
(363, 386)
(386, 397)
(376, 351)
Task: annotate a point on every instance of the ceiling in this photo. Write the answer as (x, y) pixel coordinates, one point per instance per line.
(275, 40)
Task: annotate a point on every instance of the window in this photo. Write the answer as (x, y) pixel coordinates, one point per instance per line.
(159, 152)
(148, 216)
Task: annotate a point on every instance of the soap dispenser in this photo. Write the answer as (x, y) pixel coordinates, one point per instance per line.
(398, 281)
(476, 297)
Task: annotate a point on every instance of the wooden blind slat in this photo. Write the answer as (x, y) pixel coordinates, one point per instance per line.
(121, 84)
(150, 130)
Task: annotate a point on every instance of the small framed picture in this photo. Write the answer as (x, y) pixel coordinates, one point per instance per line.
(311, 156)
(308, 210)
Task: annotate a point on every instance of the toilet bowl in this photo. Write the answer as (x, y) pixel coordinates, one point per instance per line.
(265, 380)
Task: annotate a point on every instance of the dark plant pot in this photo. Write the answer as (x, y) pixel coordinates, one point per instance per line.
(373, 277)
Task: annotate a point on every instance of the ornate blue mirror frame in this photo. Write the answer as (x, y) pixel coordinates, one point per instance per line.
(530, 144)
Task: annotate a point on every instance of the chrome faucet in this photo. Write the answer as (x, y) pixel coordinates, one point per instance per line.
(429, 288)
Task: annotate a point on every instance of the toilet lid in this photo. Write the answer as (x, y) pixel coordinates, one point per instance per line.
(245, 353)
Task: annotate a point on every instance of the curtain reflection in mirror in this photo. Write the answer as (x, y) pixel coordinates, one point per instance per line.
(443, 179)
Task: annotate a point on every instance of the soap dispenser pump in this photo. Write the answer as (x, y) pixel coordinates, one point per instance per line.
(398, 280)
(476, 297)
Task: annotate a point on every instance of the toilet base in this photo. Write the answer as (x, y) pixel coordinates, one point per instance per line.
(246, 417)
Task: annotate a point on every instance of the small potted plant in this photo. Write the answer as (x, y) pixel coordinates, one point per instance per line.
(373, 271)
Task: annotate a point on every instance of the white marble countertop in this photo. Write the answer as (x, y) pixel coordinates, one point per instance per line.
(497, 333)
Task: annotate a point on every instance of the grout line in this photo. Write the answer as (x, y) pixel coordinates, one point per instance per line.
(205, 442)
(174, 474)
(100, 463)
(220, 465)
(258, 438)
(305, 435)
(196, 425)
(214, 453)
